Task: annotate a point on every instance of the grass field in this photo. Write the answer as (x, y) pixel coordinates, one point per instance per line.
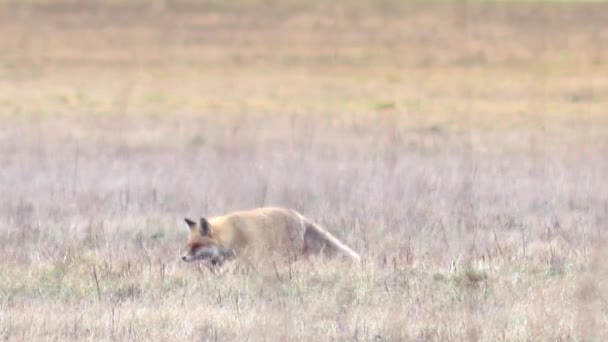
(460, 148)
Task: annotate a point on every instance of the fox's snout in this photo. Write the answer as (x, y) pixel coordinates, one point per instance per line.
(187, 258)
(213, 261)
(214, 255)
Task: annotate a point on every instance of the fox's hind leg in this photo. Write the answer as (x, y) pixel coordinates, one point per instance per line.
(305, 249)
(313, 241)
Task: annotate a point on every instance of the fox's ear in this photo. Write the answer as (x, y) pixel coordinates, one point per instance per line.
(191, 224)
(205, 227)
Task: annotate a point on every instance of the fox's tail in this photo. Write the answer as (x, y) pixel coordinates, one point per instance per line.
(320, 240)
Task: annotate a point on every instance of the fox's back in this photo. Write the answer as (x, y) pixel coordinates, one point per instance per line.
(277, 229)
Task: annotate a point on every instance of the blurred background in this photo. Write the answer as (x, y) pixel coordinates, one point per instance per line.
(432, 136)
(176, 79)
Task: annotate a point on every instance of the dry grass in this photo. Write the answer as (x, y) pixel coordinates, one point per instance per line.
(461, 150)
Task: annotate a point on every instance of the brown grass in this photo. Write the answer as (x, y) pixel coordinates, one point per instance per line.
(460, 149)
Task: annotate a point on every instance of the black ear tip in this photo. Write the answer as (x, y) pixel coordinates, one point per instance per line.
(189, 222)
(205, 229)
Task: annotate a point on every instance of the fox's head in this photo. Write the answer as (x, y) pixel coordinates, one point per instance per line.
(202, 246)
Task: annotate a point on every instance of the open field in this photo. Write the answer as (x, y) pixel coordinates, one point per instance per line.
(461, 149)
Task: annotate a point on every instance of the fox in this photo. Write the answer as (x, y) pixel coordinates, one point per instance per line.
(258, 232)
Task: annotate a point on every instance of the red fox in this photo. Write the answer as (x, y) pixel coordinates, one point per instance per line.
(256, 232)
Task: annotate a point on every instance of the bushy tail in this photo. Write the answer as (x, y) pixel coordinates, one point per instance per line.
(319, 239)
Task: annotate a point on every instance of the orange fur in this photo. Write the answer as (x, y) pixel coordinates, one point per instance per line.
(258, 233)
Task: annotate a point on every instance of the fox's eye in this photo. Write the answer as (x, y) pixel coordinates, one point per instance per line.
(194, 247)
